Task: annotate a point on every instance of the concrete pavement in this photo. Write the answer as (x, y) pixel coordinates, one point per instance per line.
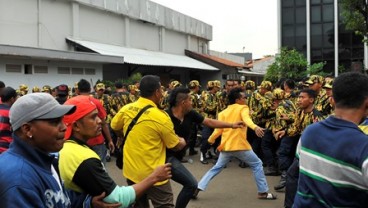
(234, 187)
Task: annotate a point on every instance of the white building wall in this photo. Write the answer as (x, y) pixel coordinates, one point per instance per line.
(144, 36)
(175, 42)
(100, 26)
(52, 78)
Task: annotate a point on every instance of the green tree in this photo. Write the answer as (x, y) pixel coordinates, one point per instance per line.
(355, 16)
(291, 64)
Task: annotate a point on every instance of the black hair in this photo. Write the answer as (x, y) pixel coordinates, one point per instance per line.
(350, 90)
(84, 86)
(311, 93)
(8, 93)
(290, 83)
(2, 84)
(234, 94)
(118, 85)
(148, 85)
(177, 95)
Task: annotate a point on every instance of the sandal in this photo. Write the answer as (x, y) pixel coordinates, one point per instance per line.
(267, 196)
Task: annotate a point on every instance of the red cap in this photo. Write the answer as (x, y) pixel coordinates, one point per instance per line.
(83, 105)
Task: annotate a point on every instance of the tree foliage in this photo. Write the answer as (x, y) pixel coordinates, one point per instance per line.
(291, 64)
(355, 16)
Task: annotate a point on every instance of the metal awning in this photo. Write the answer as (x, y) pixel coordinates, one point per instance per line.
(144, 57)
(48, 54)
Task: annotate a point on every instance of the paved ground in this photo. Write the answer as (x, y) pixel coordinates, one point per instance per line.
(234, 187)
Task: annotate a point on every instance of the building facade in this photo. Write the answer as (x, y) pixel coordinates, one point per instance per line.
(315, 29)
(59, 42)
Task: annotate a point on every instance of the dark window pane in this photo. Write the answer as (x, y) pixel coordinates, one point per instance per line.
(329, 67)
(287, 31)
(328, 1)
(300, 2)
(316, 41)
(357, 41)
(288, 42)
(328, 53)
(288, 16)
(300, 15)
(345, 40)
(287, 3)
(316, 14)
(328, 13)
(301, 43)
(315, 2)
(301, 30)
(344, 53)
(358, 53)
(316, 54)
(328, 35)
(316, 29)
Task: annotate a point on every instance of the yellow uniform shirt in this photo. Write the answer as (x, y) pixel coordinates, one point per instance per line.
(233, 139)
(145, 147)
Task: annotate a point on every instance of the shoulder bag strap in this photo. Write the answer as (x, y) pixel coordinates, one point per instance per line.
(134, 121)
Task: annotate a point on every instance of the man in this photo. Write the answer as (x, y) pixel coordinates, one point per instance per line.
(98, 143)
(81, 168)
(8, 97)
(305, 115)
(333, 153)
(62, 93)
(211, 106)
(145, 146)
(183, 117)
(194, 87)
(315, 83)
(29, 174)
(234, 144)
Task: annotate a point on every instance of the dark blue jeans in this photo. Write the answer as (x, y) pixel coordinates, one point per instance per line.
(291, 187)
(286, 151)
(182, 176)
(206, 133)
(269, 147)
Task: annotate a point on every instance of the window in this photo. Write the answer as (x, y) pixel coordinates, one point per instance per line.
(63, 70)
(13, 68)
(315, 2)
(40, 69)
(300, 15)
(287, 3)
(288, 16)
(328, 13)
(315, 14)
(28, 69)
(89, 71)
(77, 70)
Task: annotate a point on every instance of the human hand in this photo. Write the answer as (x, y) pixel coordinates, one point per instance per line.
(279, 134)
(259, 131)
(238, 124)
(111, 147)
(162, 172)
(97, 202)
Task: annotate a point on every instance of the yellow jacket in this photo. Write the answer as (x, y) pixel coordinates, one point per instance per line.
(233, 139)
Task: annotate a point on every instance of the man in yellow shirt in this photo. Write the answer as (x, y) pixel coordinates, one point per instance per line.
(145, 145)
(234, 143)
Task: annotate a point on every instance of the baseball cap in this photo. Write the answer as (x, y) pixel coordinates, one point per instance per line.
(133, 87)
(278, 94)
(62, 89)
(194, 83)
(328, 84)
(23, 87)
(46, 88)
(314, 79)
(100, 86)
(266, 84)
(175, 84)
(36, 89)
(36, 106)
(84, 106)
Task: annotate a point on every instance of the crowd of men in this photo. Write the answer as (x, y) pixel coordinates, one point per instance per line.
(276, 115)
